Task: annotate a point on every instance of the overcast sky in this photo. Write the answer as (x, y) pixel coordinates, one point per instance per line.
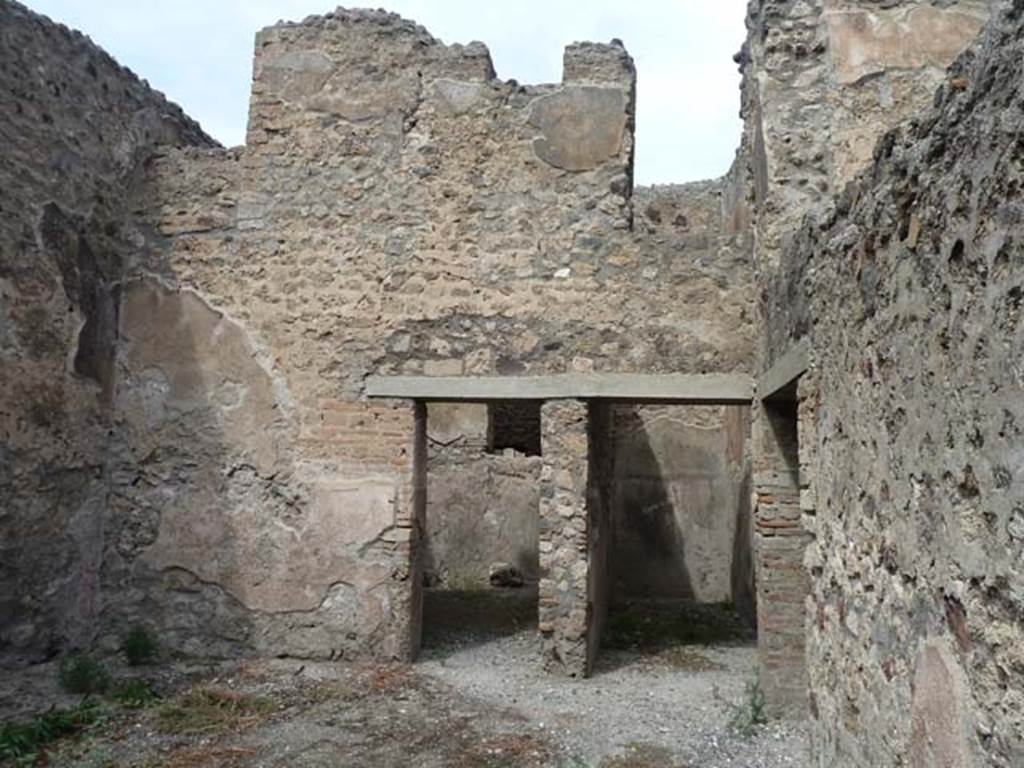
(199, 53)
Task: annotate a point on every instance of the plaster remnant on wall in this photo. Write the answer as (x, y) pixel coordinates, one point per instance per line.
(199, 351)
(581, 126)
(297, 75)
(868, 41)
(940, 734)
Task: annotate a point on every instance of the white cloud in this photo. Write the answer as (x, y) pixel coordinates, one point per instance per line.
(200, 54)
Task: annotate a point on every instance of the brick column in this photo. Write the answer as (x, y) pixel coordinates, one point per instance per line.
(780, 539)
(564, 612)
(403, 427)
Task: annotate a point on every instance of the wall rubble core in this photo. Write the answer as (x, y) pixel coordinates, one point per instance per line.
(190, 336)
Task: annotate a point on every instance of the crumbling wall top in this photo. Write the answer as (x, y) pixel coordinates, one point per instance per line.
(585, 62)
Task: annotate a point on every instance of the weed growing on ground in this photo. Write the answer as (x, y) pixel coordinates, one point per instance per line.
(640, 755)
(81, 673)
(507, 751)
(135, 693)
(204, 710)
(749, 713)
(22, 743)
(139, 646)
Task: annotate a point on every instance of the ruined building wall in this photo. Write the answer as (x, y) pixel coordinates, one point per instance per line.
(397, 209)
(682, 483)
(223, 533)
(575, 534)
(682, 487)
(75, 131)
(482, 506)
(823, 80)
(909, 292)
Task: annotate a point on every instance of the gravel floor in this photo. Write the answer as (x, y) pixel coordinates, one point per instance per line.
(651, 701)
(662, 697)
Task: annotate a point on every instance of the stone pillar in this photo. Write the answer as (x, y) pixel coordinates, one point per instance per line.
(405, 623)
(780, 539)
(564, 607)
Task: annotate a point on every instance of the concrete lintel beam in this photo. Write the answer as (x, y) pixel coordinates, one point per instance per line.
(786, 370)
(690, 389)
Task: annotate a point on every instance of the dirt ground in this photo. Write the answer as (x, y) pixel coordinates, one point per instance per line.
(669, 682)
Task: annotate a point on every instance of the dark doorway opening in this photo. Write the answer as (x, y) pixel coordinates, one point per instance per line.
(480, 546)
(514, 425)
(681, 560)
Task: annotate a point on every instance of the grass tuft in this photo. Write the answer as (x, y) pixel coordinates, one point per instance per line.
(135, 693)
(25, 742)
(206, 710)
(139, 646)
(81, 673)
(749, 713)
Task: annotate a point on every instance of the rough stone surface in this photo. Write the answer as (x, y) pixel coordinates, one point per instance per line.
(575, 533)
(823, 80)
(186, 332)
(908, 290)
(76, 129)
(780, 540)
(566, 610)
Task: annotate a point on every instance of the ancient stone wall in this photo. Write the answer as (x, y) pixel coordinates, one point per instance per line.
(76, 129)
(481, 506)
(909, 291)
(823, 80)
(397, 209)
(678, 228)
(565, 609)
(780, 540)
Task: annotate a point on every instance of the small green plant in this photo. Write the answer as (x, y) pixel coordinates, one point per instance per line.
(139, 646)
(135, 693)
(749, 713)
(81, 673)
(22, 742)
(205, 710)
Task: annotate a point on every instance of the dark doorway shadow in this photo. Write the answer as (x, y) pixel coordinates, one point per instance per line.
(456, 619)
(647, 550)
(675, 482)
(674, 632)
